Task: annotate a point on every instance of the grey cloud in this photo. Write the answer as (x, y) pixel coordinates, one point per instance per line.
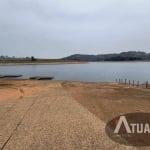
(56, 28)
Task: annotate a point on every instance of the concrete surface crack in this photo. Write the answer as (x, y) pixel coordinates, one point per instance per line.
(19, 123)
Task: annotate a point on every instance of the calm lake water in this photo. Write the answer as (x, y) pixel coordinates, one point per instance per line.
(97, 71)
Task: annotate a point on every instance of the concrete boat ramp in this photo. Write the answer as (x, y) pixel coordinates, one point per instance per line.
(49, 120)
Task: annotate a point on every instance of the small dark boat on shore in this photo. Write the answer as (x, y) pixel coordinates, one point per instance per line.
(10, 76)
(41, 78)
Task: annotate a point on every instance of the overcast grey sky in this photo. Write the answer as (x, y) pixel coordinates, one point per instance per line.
(57, 28)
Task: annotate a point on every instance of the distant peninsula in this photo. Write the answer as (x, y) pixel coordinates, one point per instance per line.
(6, 60)
(123, 56)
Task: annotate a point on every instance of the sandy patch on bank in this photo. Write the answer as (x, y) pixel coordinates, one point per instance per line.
(108, 100)
(11, 89)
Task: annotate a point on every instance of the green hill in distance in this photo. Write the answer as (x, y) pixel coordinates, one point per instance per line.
(123, 56)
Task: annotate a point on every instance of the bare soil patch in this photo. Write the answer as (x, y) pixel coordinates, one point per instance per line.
(12, 89)
(108, 100)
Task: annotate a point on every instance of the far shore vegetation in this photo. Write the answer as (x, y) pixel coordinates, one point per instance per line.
(32, 60)
(124, 56)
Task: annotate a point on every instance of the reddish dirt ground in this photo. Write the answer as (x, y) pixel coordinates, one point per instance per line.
(108, 100)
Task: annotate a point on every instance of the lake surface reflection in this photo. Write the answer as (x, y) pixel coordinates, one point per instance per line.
(93, 71)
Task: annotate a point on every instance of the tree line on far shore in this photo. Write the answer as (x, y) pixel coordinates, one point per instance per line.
(124, 56)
